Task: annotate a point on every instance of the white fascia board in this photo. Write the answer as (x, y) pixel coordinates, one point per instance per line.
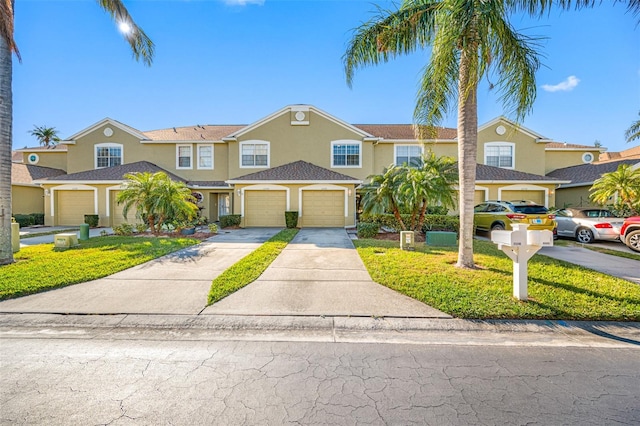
(171, 142)
(532, 182)
(341, 122)
(575, 185)
(134, 132)
(30, 185)
(586, 148)
(419, 141)
(293, 182)
(208, 187)
(517, 126)
(78, 182)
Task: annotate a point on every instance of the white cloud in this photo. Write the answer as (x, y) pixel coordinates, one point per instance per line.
(565, 86)
(243, 2)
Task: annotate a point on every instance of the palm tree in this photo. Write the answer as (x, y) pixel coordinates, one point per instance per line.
(381, 194)
(633, 132)
(157, 199)
(142, 48)
(623, 183)
(470, 40)
(46, 136)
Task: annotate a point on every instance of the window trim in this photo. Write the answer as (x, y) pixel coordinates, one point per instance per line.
(181, 145)
(198, 156)
(395, 152)
(347, 142)
(501, 144)
(106, 145)
(255, 142)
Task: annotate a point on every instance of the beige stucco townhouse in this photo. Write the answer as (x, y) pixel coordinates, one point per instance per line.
(298, 158)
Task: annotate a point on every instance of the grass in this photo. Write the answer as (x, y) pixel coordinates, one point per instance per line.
(39, 268)
(250, 267)
(557, 290)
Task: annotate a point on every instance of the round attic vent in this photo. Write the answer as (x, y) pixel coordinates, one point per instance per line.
(501, 130)
(108, 132)
(33, 158)
(299, 116)
(587, 157)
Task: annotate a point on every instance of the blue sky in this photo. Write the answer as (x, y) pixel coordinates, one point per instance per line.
(236, 61)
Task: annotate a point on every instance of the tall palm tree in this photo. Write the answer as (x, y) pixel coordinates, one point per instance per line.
(633, 132)
(470, 39)
(46, 136)
(624, 183)
(142, 48)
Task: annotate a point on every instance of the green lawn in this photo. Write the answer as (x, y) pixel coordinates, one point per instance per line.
(40, 267)
(250, 267)
(557, 290)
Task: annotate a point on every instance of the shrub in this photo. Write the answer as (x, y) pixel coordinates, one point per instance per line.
(213, 228)
(230, 220)
(38, 218)
(291, 219)
(435, 222)
(439, 210)
(368, 229)
(24, 220)
(123, 229)
(92, 220)
(141, 227)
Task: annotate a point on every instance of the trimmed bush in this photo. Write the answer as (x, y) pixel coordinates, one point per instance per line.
(368, 229)
(291, 219)
(141, 227)
(92, 220)
(24, 220)
(123, 229)
(435, 222)
(38, 218)
(230, 220)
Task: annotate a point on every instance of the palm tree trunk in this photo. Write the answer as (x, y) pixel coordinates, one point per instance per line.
(6, 117)
(467, 154)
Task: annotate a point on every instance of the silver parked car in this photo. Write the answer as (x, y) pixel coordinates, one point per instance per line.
(588, 224)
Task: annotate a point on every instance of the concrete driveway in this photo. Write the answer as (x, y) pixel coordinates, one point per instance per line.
(320, 273)
(174, 284)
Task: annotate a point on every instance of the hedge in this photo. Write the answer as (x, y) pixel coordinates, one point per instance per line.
(368, 229)
(230, 220)
(432, 222)
(291, 219)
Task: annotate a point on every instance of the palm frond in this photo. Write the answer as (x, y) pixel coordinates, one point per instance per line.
(633, 132)
(6, 26)
(141, 45)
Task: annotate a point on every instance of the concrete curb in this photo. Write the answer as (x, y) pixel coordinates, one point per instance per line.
(324, 329)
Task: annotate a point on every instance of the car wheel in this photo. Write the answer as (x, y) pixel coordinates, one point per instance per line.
(633, 240)
(585, 236)
(497, 227)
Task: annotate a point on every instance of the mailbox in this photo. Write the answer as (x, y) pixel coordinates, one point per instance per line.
(508, 238)
(540, 238)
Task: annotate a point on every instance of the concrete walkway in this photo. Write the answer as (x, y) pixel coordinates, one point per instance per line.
(174, 284)
(320, 274)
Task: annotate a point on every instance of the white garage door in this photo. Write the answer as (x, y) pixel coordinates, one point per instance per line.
(535, 196)
(323, 209)
(478, 197)
(73, 205)
(264, 208)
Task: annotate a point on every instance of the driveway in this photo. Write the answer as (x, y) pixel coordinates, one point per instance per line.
(174, 284)
(320, 273)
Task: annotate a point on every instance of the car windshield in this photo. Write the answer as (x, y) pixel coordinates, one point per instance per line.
(530, 209)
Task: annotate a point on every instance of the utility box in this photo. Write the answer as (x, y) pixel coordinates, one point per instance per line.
(15, 237)
(65, 241)
(84, 231)
(441, 238)
(407, 240)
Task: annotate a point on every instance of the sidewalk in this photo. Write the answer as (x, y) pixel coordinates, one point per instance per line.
(35, 238)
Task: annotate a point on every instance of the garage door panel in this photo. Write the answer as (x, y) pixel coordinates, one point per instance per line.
(478, 197)
(535, 196)
(117, 217)
(73, 205)
(323, 209)
(265, 208)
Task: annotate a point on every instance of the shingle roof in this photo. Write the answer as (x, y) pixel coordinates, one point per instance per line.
(16, 157)
(559, 145)
(208, 183)
(27, 173)
(193, 133)
(588, 173)
(404, 131)
(297, 171)
(116, 173)
(484, 173)
(627, 153)
(51, 148)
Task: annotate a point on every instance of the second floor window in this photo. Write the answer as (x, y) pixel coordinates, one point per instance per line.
(184, 157)
(499, 155)
(408, 154)
(205, 157)
(108, 156)
(345, 154)
(255, 155)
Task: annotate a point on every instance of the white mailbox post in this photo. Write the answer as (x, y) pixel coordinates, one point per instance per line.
(520, 245)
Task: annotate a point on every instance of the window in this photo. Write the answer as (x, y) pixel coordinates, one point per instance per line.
(108, 155)
(499, 155)
(345, 154)
(409, 154)
(254, 154)
(183, 160)
(205, 156)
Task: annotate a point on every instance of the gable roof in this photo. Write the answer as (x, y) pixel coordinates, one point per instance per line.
(563, 146)
(26, 173)
(125, 128)
(404, 131)
(291, 108)
(50, 148)
(486, 174)
(503, 119)
(207, 132)
(627, 153)
(586, 174)
(298, 171)
(112, 174)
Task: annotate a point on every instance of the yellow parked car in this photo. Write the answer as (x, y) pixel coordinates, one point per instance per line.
(498, 215)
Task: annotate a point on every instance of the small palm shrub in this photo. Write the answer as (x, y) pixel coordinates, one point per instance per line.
(123, 229)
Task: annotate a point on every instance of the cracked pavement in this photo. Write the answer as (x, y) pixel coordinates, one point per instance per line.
(120, 382)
